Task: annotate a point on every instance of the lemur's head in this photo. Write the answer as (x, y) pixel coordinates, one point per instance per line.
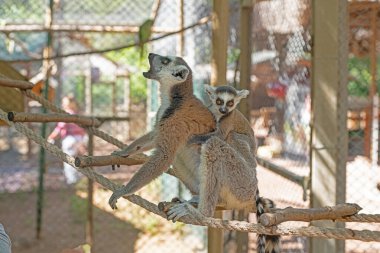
(224, 99)
(168, 70)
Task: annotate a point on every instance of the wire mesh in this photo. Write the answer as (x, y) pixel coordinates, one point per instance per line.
(281, 100)
(280, 115)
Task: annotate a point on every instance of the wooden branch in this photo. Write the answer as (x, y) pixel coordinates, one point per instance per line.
(78, 28)
(198, 23)
(53, 117)
(90, 161)
(295, 214)
(15, 83)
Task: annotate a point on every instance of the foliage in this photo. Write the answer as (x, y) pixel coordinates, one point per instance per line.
(138, 84)
(360, 76)
(74, 85)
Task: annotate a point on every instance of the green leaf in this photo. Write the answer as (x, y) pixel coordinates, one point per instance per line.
(145, 31)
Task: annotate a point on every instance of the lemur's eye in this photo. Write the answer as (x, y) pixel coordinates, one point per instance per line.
(230, 103)
(165, 61)
(219, 101)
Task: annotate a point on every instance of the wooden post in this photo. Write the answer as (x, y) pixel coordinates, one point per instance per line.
(90, 146)
(90, 198)
(126, 101)
(47, 52)
(113, 84)
(220, 28)
(246, 11)
(329, 113)
(374, 113)
(88, 90)
(181, 41)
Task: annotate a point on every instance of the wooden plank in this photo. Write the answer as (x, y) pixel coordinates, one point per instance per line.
(329, 107)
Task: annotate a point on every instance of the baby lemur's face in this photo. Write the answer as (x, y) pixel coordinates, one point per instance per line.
(224, 99)
(168, 70)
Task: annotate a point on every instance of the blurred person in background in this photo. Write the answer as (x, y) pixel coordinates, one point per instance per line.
(74, 138)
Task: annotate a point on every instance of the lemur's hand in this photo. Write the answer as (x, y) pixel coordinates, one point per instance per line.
(183, 209)
(122, 153)
(130, 150)
(116, 195)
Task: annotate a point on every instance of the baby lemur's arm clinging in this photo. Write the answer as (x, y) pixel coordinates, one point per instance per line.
(183, 117)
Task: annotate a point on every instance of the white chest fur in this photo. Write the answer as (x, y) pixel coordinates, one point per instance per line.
(165, 103)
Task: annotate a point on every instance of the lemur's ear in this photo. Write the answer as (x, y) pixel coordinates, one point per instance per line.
(181, 73)
(210, 90)
(243, 93)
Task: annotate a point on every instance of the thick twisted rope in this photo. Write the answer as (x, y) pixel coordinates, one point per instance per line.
(311, 231)
(369, 218)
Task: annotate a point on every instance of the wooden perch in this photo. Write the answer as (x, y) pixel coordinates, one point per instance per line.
(90, 161)
(15, 83)
(53, 117)
(295, 214)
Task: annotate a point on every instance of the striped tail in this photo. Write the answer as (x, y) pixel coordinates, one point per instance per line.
(266, 243)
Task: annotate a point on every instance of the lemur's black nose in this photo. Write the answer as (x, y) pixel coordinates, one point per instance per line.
(222, 110)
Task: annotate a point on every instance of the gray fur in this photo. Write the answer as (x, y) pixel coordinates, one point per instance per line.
(221, 172)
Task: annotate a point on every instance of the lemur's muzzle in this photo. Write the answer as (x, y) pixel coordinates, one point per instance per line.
(150, 73)
(223, 110)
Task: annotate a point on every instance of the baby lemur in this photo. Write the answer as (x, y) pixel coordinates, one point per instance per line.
(220, 172)
(224, 100)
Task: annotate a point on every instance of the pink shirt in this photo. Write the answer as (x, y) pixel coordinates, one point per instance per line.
(65, 129)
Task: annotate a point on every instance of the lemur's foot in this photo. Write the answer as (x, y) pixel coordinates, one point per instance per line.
(115, 196)
(182, 209)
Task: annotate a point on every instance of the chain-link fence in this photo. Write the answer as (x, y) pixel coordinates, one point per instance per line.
(108, 84)
(363, 115)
